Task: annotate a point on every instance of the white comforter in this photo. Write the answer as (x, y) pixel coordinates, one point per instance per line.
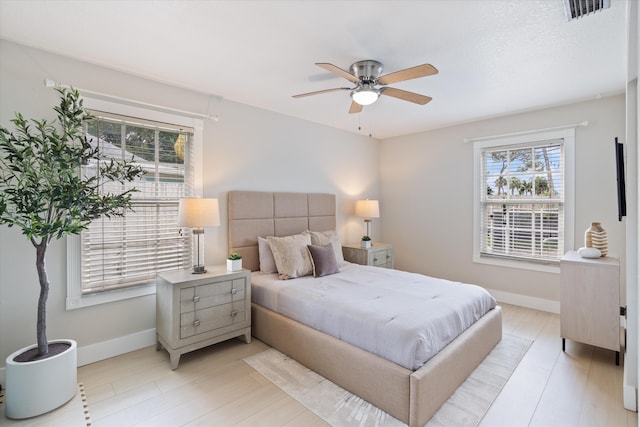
(403, 317)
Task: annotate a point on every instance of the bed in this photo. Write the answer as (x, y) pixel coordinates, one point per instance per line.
(412, 394)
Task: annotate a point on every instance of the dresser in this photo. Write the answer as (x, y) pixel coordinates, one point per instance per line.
(590, 301)
(198, 310)
(379, 254)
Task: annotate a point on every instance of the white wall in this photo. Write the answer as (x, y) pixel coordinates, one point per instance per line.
(630, 382)
(247, 149)
(427, 189)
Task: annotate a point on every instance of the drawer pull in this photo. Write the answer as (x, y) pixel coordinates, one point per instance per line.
(234, 291)
(234, 313)
(196, 298)
(196, 323)
(375, 260)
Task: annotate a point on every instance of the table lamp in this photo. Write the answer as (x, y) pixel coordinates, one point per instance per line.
(367, 209)
(197, 214)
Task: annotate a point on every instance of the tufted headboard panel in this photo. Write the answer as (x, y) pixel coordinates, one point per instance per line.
(255, 213)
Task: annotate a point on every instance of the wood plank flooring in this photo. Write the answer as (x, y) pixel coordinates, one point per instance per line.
(214, 387)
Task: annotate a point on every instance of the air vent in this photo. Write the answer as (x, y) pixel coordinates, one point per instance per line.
(578, 8)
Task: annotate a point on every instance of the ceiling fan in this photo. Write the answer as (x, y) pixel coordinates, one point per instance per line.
(366, 76)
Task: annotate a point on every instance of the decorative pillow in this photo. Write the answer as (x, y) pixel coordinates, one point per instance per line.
(323, 260)
(331, 236)
(267, 263)
(291, 255)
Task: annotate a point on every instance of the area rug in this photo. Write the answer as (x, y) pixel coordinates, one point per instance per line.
(74, 413)
(338, 407)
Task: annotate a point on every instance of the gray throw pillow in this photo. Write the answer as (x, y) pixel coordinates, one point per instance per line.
(323, 259)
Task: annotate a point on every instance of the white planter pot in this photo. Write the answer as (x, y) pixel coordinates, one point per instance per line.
(34, 388)
(234, 264)
(365, 243)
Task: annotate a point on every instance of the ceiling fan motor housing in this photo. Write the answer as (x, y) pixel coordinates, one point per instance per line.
(367, 71)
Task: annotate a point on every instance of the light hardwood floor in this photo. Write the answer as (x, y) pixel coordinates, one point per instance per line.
(214, 387)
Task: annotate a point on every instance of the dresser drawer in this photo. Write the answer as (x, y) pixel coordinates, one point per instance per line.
(379, 255)
(381, 258)
(211, 318)
(210, 295)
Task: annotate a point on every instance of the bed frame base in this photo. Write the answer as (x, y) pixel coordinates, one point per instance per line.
(410, 396)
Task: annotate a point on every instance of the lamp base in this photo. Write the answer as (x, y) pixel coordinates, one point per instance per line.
(198, 269)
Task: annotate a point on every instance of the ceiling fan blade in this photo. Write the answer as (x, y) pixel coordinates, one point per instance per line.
(405, 95)
(318, 92)
(355, 107)
(423, 70)
(339, 71)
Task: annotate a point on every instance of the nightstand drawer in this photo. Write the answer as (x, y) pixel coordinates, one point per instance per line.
(210, 295)
(208, 319)
(381, 258)
(379, 255)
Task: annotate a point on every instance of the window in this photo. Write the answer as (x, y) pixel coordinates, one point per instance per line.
(119, 257)
(523, 199)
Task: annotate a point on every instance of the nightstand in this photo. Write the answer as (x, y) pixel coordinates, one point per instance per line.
(379, 254)
(198, 310)
(590, 301)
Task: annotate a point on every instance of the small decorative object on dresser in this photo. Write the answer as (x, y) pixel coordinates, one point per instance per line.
(379, 254)
(596, 237)
(234, 262)
(195, 311)
(365, 242)
(589, 253)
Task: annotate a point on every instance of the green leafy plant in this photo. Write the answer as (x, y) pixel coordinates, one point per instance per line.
(366, 238)
(43, 190)
(234, 255)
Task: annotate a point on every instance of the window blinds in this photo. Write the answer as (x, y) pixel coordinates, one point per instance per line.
(129, 250)
(522, 201)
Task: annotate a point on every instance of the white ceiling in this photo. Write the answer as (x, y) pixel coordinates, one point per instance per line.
(495, 57)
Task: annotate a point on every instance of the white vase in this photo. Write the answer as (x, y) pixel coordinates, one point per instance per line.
(234, 264)
(40, 386)
(365, 243)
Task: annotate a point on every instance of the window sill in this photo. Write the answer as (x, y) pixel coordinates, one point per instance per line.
(519, 264)
(74, 302)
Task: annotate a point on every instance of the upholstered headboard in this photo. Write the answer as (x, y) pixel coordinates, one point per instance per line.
(255, 213)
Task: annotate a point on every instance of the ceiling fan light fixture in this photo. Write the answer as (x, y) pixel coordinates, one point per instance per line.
(365, 96)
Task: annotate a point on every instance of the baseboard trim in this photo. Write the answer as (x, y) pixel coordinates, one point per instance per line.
(552, 306)
(104, 350)
(629, 392)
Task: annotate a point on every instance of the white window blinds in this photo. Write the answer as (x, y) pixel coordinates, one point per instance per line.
(522, 201)
(127, 251)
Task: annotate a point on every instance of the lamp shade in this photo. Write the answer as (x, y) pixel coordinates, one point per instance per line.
(367, 208)
(365, 97)
(196, 212)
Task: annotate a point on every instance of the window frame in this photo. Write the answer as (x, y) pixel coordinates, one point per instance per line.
(567, 135)
(75, 298)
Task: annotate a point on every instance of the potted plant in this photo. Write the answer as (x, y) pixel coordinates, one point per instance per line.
(45, 194)
(365, 242)
(234, 262)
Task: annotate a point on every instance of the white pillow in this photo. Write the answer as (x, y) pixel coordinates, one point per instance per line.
(267, 263)
(330, 236)
(291, 255)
